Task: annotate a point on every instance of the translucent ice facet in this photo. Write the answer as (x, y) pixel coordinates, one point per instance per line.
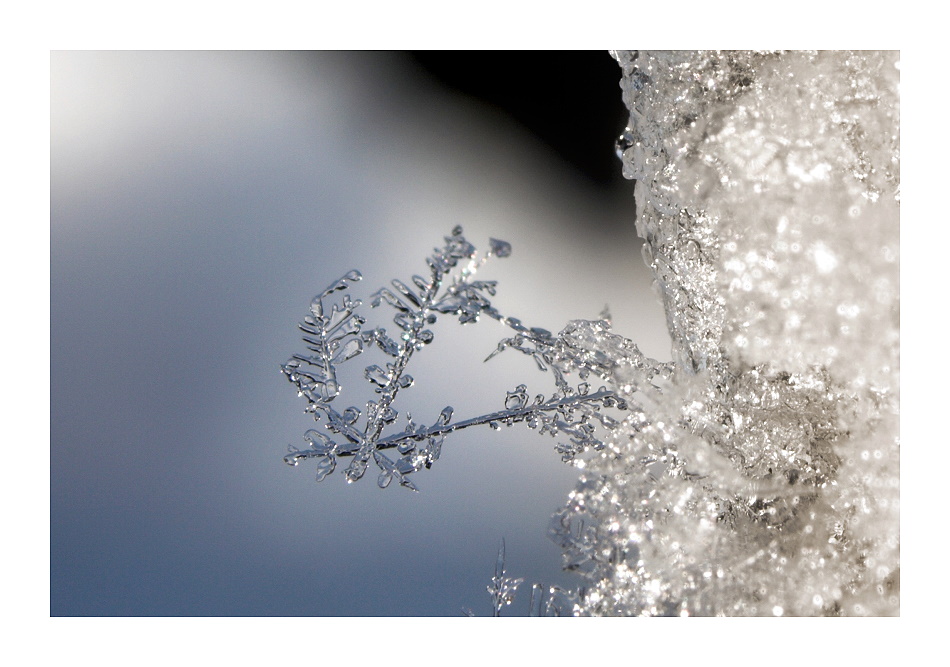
(499, 248)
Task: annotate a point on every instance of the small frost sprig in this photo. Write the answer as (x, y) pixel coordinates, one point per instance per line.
(554, 601)
(334, 333)
(502, 588)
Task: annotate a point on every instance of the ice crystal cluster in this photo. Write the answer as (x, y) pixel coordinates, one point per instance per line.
(763, 477)
(334, 333)
(757, 473)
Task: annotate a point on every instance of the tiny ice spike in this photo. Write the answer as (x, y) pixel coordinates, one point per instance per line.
(502, 588)
(335, 333)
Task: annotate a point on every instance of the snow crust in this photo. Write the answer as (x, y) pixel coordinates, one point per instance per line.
(762, 476)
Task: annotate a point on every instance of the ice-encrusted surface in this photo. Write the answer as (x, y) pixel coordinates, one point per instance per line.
(762, 478)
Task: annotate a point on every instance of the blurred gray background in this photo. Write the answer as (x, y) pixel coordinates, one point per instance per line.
(198, 202)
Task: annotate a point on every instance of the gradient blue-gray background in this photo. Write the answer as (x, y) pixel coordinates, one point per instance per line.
(198, 201)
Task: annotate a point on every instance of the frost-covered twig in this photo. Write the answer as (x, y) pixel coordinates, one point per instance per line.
(335, 333)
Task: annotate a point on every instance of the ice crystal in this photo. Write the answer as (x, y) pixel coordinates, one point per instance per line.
(502, 588)
(335, 333)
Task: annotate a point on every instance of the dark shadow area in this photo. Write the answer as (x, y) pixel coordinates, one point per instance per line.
(570, 100)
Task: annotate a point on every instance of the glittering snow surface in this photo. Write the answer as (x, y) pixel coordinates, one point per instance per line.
(761, 475)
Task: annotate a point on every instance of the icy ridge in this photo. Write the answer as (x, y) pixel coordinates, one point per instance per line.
(764, 480)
